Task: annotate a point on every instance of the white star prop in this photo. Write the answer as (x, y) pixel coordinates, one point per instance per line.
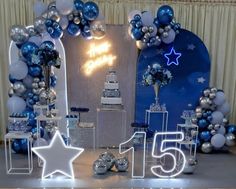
(57, 157)
(201, 80)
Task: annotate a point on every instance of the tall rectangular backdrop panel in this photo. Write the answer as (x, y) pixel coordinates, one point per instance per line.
(86, 91)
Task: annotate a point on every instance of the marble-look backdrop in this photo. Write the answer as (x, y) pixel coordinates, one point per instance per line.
(84, 91)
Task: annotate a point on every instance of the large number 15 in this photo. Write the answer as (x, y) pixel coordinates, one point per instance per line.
(173, 155)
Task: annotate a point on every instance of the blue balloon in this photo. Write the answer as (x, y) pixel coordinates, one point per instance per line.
(209, 118)
(50, 30)
(12, 80)
(31, 115)
(137, 17)
(205, 115)
(136, 33)
(73, 29)
(36, 98)
(30, 95)
(23, 145)
(79, 5)
(57, 33)
(49, 22)
(133, 23)
(35, 70)
(28, 49)
(205, 136)
(202, 123)
(165, 14)
(231, 129)
(156, 23)
(48, 45)
(34, 131)
(53, 80)
(90, 11)
(16, 146)
(138, 24)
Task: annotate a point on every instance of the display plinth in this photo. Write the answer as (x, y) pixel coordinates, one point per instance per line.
(157, 120)
(111, 127)
(8, 154)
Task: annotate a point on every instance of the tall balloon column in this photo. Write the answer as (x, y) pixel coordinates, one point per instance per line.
(31, 75)
(148, 31)
(211, 118)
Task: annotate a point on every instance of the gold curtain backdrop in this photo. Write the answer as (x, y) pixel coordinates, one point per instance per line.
(214, 21)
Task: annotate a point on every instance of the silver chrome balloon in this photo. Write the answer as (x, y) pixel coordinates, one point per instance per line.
(19, 34)
(10, 92)
(230, 139)
(76, 20)
(198, 109)
(165, 34)
(210, 127)
(216, 126)
(52, 5)
(109, 159)
(70, 17)
(19, 88)
(100, 167)
(41, 84)
(194, 120)
(206, 92)
(39, 24)
(122, 164)
(31, 31)
(167, 28)
(36, 80)
(214, 90)
(144, 29)
(98, 29)
(47, 97)
(54, 15)
(213, 131)
(35, 85)
(161, 30)
(212, 95)
(206, 147)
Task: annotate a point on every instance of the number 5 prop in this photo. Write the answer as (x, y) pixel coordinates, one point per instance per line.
(159, 170)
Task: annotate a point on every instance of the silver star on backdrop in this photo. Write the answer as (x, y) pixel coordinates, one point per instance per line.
(57, 157)
(201, 80)
(191, 47)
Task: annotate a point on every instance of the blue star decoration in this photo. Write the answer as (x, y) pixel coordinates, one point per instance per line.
(57, 157)
(172, 57)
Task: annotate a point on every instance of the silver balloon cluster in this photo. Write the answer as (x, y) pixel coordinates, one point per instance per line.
(190, 165)
(19, 34)
(18, 88)
(211, 117)
(106, 162)
(38, 86)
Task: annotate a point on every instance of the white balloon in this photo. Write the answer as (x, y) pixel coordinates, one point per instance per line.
(36, 39)
(217, 117)
(16, 104)
(39, 8)
(147, 18)
(133, 13)
(65, 7)
(40, 142)
(218, 140)
(221, 130)
(64, 22)
(224, 108)
(18, 70)
(170, 38)
(28, 80)
(220, 98)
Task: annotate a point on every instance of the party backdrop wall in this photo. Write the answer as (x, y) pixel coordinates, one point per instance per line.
(86, 91)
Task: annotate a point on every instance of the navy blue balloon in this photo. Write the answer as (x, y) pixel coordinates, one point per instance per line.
(136, 33)
(205, 136)
(165, 14)
(30, 95)
(30, 113)
(231, 129)
(209, 118)
(137, 17)
(202, 123)
(53, 80)
(48, 45)
(23, 145)
(28, 49)
(133, 23)
(12, 80)
(19, 45)
(156, 23)
(34, 131)
(49, 22)
(90, 11)
(73, 29)
(16, 146)
(57, 33)
(138, 24)
(36, 98)
(50, 30)
(79, 5)
(35, 70)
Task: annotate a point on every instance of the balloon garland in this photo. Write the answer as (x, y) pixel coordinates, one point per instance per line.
(148, 31)
(214, 129)
(31, 78)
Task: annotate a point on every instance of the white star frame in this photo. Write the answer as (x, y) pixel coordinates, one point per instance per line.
(57, 157)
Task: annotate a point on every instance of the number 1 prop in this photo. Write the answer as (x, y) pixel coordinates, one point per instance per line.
(138, 137)
(177, 157)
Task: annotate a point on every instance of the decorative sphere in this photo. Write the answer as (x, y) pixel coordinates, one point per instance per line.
(100, 167)
(109, 158)
(47, 97)
(206, 147)
(122, 164)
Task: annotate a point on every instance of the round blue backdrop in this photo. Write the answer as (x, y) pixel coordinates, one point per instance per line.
(188, 60)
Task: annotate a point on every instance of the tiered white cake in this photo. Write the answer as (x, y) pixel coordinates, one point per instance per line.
(111, 93)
